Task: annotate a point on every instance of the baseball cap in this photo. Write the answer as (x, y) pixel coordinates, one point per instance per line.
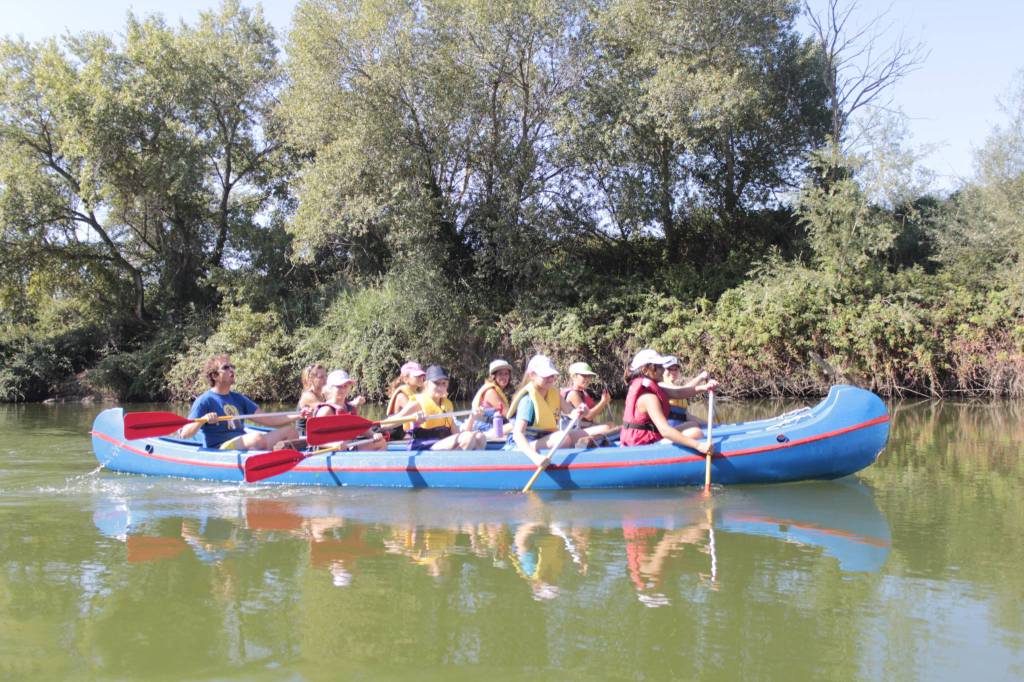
(496, 365)
(412, 369)
(581, 368)
(647, 356)
(436, 373)
(670, 361)
(541, 366)
(339, 377)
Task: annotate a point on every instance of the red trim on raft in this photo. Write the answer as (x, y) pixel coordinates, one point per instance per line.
(525, 467)
(164, 458)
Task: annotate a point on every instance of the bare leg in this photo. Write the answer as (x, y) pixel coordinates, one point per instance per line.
(266, 441)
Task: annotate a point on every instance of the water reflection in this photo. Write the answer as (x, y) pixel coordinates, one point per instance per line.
(550, 541)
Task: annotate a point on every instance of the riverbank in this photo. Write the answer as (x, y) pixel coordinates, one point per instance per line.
(793, 332)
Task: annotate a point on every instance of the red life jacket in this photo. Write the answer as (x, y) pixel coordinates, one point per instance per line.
(639, 429)
(587, 399)
(344, 408)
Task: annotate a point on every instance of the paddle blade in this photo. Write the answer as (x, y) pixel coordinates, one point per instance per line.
(268, 464)
(152, 424)
(330, 429)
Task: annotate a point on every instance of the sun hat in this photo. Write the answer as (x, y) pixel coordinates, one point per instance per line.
(436, 373)
(541, 366)
(647, 356)
(413, 369)
(670, 361)
(496, 365)
(339, 377)
(581, 368)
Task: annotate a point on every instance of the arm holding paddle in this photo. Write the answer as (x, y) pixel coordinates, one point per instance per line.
(266, 419)
(699, 384)
(543, 462)
(688, 437)
(529, 447)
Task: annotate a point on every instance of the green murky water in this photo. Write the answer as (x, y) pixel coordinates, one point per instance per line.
(910, 570)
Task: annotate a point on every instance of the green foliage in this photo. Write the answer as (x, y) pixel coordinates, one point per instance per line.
(371, 331)
(34, 368)
(259, 347)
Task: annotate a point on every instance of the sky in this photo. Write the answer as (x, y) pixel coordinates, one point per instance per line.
(974, 52)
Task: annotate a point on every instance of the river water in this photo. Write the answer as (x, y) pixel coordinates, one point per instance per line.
(911, 570)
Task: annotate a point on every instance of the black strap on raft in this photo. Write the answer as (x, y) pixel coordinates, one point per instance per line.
(640, 427)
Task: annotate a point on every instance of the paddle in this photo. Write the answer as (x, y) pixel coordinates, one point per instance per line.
(551, 452)
(152, 424)
(707, 457)
(276, 462)
(335, 427)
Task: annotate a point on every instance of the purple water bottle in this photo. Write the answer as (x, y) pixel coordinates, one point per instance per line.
(499, 425)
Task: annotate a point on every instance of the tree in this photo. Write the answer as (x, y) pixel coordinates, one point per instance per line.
(428, 129)
(138, 158)
(982, 234)
(694, 104)
(857, 68)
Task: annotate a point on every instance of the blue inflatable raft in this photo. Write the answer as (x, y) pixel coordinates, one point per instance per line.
(840, 436)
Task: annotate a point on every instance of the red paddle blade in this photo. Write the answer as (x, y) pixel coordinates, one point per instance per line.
(268, 464)
(151, 424)
(320, 430)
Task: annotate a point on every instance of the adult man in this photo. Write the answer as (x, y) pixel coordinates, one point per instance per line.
(221, 401)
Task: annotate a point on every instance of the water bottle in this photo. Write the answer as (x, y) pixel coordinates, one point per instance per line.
(499, 426)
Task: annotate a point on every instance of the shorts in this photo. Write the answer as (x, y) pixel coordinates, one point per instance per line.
(233, 444)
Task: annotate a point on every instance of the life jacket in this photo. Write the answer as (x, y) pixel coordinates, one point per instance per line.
(588, 399)
(344, 408)
(409, 392)
(406, 390)
(429, 407)
(478, 398)
(546, 408)
(640, 429)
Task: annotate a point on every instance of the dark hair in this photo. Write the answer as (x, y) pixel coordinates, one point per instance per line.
(211, 368)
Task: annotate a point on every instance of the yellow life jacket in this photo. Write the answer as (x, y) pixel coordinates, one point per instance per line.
(547, 408)
(429, 407)
(404, 389)
(483, 389)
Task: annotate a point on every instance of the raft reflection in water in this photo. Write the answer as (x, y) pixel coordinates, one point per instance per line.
(553, 541)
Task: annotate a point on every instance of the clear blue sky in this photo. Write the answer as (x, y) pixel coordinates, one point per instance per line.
(951, 100)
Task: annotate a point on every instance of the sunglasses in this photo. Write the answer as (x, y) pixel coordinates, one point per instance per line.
(224, 367)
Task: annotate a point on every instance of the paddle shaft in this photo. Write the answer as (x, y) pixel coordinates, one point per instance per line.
(707, 457)
(152, 424)
(551, 452)
(409, 418)
(335, 427)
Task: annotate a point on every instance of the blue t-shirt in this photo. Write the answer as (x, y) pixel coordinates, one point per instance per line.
(526, 411)
(224, 405)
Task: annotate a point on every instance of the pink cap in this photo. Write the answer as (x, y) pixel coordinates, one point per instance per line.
(412, 369)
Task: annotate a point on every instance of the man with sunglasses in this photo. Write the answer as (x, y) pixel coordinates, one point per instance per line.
(221, 401)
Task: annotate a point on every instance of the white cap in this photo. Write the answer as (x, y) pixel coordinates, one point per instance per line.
(339, 377)
(496, 365)
(670, 361)
(646, 357)
(541, 366)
